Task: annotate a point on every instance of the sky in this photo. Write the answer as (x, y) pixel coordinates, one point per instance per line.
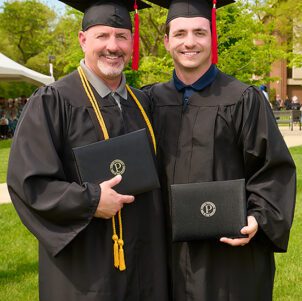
(55, 4)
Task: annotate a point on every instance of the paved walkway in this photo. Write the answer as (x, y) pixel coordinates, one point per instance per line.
(292, 138)
(4, 196)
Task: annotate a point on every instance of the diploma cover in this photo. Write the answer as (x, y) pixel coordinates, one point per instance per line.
(208, 210)
(129, 155)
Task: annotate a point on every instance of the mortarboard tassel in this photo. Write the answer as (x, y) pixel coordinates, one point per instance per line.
(214, 35)
(135, 56)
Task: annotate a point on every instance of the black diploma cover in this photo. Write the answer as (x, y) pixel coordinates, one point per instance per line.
(208, 210)
(129, 155)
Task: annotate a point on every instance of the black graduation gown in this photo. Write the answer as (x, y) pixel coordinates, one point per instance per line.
(76, 249)
(227, 132)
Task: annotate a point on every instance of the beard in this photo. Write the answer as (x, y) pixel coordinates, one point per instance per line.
(111, 71)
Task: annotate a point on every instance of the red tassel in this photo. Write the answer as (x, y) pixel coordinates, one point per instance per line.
(135, 55)
(214, 35)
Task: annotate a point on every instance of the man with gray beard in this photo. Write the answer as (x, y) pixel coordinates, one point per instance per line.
(74, 222)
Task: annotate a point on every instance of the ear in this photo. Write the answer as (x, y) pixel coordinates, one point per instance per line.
(166, 42)
(132, 39)
(82, 40)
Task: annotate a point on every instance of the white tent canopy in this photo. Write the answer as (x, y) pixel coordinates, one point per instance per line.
(10, 70)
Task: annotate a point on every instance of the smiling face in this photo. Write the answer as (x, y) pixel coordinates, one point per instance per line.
(189, 43)
(107, 50)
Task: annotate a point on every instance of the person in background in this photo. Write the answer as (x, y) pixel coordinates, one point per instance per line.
(279, 101)
(287, 103)
(263, 88)
(13, 124)
(73, 222)
(212, 127)
(4, 122)
(295, 103)
(276, 103)
(2, 105)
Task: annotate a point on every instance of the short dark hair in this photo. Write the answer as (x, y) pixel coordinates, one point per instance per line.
(167, 29)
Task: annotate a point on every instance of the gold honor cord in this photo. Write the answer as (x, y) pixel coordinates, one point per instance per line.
(145, 117)
(118, 250)
(93, 102)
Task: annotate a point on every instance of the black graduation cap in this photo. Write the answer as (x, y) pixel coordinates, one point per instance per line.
(195, 8)
(190, 8)
(113, 13)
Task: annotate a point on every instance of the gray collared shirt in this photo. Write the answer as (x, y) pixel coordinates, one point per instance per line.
(102, 89)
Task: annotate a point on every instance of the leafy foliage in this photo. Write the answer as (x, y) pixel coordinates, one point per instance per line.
(27, 25)
(252, 35)
(152, 31)
(65, 46)
(285, 17)
(16, 89)
(246, 44)
(4, 154)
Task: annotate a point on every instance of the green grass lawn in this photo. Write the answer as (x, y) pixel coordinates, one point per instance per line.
(289, 265)
(18, 258)
(4, 151)
(18, 251)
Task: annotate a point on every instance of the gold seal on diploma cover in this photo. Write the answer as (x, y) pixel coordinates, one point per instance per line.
(117, 167)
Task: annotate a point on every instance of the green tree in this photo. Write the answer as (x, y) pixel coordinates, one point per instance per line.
(25, 28)
(5, 46)
(155, 63)
(16, 89)
(286, 15)
(247, 44)
(152, 31)
(27, 25)
(64, 45)
(252, 35)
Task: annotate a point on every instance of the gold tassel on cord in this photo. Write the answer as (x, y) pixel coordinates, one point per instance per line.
(122, 266)
(115, 251)
(121, 255)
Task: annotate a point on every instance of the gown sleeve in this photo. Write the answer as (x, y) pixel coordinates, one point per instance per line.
(269, 168)
(54, 209)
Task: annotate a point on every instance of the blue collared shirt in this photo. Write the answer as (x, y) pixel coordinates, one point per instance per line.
(200, 84)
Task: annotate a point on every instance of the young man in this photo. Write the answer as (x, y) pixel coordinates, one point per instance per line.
(72, 221)
(211, 127)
